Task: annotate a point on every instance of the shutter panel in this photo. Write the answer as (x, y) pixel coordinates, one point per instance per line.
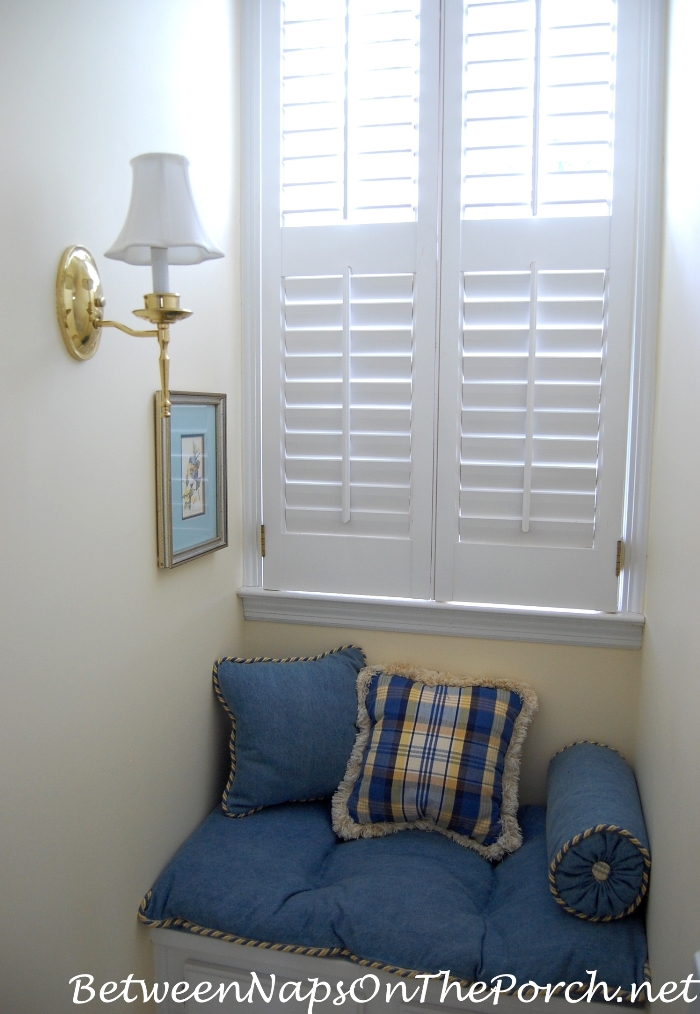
(349, 305)
(575, 123)
(535, 350)
(538, 103)
(349, 111)
(348, 400)
(499, 54)
(532, 357)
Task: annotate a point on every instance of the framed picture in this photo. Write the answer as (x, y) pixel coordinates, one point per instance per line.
(191, 509)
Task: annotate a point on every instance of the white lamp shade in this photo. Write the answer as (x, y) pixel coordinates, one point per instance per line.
(162, 215)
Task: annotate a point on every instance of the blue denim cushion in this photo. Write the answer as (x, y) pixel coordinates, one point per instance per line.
(293, 726)
(409, 900)
(540, 940)
(597, 841)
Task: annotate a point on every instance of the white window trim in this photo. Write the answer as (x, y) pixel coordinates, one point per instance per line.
(456, 619)
(621, 629)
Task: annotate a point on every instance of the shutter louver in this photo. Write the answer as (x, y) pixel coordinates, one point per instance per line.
(348, 404)
(575, 120)
(349, 111)
(538, 103)
(499, 82)
(531, 406)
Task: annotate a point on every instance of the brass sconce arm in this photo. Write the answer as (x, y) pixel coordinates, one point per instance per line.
(125, 329)
(80, 302)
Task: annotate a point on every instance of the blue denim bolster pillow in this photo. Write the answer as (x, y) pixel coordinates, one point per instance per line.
(292, 726)
(597, 842)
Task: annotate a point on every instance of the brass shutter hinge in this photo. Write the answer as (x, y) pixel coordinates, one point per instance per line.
(262, 540)
(620, 558)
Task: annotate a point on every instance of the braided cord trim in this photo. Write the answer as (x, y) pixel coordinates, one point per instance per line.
(586, 834)
(328, 952)
(232, 738)
(588, 742)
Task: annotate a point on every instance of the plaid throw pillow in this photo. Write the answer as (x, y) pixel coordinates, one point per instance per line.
(438, 753)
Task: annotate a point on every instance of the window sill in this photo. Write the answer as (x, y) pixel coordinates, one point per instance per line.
(456, 619)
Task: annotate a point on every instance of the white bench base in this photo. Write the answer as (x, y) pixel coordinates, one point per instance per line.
(186, 957)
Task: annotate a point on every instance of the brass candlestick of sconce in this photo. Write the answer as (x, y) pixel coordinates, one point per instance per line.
(80, 305)
(162, 309)
(162, 228)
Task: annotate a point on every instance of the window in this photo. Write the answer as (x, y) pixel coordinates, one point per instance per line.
(449, 275)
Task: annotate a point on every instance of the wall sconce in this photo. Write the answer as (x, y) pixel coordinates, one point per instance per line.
(162, 227)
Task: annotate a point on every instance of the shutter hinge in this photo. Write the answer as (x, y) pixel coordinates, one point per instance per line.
(620, 558)
(262, 540)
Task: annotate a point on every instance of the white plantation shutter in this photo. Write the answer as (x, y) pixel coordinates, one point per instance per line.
(575, 125)
(532, 358)
(448, 264)
(349, 111)
(535, 349)
(348, 400)
(538, 98)
(349, 308)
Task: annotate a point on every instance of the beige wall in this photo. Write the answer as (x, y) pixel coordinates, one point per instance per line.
(669, 741)
(585, 693)
(110, 743)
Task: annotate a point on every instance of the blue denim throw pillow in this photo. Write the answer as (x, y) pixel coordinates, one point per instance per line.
(292, 726)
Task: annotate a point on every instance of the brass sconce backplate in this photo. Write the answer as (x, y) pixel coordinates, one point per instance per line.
(80, 306)
(79, 302)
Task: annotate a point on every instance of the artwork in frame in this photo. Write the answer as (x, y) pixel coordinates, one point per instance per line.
(192, 458)
(191, 509)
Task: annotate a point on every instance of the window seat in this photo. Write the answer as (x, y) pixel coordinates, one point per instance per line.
(279, 879)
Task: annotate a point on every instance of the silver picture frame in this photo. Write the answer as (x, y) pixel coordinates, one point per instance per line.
(191, 487)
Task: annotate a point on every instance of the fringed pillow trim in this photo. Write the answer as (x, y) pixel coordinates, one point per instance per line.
(510, 838)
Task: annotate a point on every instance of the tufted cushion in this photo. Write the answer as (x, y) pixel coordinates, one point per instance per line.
(404, 901)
